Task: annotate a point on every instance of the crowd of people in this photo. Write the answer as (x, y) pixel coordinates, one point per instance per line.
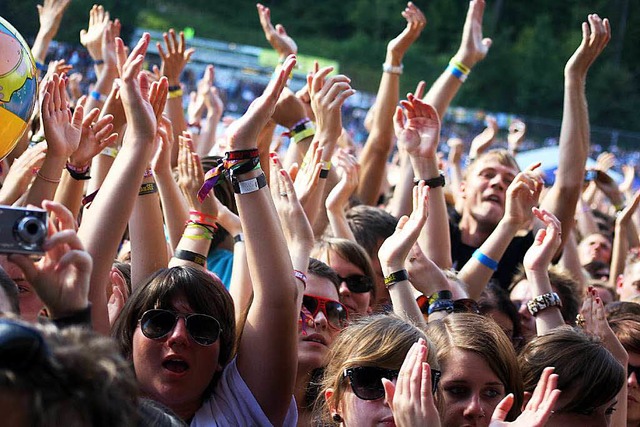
(206, 271)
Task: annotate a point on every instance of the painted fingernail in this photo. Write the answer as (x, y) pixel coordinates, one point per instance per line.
(590, 289)
(598, 300)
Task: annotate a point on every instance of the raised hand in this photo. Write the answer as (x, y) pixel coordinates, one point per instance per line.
(162, 158)
(277, 37)
(92, 37)
(596, 33)
(190, 173)
(605, 161)
(119, 295)
(21, 173)
(176, 56)
(61, 129)
(538, 409)
(546, 244)
(483, 141)
(517, 131)
(417, 128)
(289, 109)
(295, 225)
(348, 167)
(142, 103)
(95, 137)
(595, 322)
(522, 195)
(456, 148)
(629, 173)
(306, 178)
(416, 22)
(626, 214)
(327, 98)
(473, 47)
(243, 133)
(111, 31)
(410, 398)
(61, 277)
(395, 249)
(50, 14)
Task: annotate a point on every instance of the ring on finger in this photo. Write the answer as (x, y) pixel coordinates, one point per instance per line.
(283, 194)
(580, 320)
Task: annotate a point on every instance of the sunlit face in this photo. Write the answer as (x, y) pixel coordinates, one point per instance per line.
(484, 190)
(356, 303)
(315, 337)
(594, 247)
(629, 283)
(470, 389)
(633, 398)
(175, 370)
(29, 301)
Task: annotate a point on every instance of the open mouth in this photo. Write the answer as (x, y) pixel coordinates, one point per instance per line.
(494, 199)
(175, 365)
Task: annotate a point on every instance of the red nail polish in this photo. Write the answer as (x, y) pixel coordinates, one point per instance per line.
(273, 155)
(598, 300)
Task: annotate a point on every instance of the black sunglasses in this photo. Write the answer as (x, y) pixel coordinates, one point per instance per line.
(358, 284)
(366, 381)
(335, 312)
(203, 329)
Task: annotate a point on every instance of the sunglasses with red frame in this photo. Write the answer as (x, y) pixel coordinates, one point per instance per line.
(335, 312)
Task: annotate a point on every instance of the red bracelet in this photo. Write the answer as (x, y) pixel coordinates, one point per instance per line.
(300, 276)
(201, 218)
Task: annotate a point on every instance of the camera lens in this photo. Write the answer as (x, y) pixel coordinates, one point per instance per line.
(31, 230)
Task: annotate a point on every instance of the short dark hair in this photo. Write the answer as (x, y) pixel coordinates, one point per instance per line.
(495, 298)
(627, 329)
(370, 226)
(204, 294)
(320, 269)
(621, 309)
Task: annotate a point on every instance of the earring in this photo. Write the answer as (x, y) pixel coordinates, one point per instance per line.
(337, 418)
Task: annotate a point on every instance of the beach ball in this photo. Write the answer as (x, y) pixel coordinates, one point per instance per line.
(18, 87)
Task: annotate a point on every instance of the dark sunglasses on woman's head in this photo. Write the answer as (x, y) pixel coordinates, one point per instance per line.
(358, 283)
(335, 312)
(366, 381)
(465, 305)
(157, 323)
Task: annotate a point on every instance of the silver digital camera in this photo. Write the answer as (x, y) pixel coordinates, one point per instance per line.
(22, 230)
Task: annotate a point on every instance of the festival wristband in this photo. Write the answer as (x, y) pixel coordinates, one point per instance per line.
(301, 276)
(148, 188)
(485, 260)
(194, 257)
(395, 277)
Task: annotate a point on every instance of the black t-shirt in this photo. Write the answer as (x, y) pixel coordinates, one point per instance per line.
(508, 265)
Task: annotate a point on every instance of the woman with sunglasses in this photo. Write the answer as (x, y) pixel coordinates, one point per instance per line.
(368, 350)
(353, 265)
(322, 317)
(178, 328)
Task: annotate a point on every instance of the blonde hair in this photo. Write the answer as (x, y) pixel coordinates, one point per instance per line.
(381, 341)
(500, 154)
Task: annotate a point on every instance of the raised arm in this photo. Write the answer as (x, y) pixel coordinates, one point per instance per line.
(50, 15)
(574, 133)
(267, 351)
(620, 247)
(393, 254)
(175, 57)
(62, 131)
(380, 141)
(338, 199)
(114, 202)
(473, 48)
(419, 133)
(536, 265)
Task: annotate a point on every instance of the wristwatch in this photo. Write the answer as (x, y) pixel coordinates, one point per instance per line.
(544, 301)
(248, 185)
(433, 182)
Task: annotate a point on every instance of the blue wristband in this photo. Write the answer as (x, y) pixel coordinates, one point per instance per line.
(457, 73)
(485, 260)
(97, 96)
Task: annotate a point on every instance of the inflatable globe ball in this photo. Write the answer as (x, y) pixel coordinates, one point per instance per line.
(18, 87)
